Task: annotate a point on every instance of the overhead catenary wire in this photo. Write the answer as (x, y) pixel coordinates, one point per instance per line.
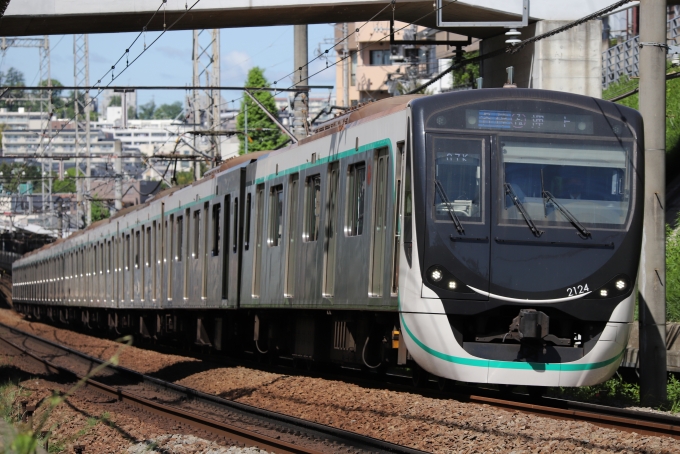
(359, 48)
(128, 63)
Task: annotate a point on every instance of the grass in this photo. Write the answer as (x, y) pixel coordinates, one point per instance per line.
(673, 274)
(25, 439)
(619, 393)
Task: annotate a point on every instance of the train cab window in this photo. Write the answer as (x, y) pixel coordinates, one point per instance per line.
(356, 194)
(458, 175)
(216, 229)
(180, 238)
(589, 181)
(275, 215)
(312, 208)
(196, 232)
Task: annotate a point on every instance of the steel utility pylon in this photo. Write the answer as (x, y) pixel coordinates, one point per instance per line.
(205, 104)
(45, 101)
(81, 78)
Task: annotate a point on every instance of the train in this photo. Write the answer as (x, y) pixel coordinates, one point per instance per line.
(483, 236)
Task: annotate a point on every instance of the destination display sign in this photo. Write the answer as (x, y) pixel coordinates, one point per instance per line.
(529, 121)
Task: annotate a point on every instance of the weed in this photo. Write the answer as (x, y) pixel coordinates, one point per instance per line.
(25, 440)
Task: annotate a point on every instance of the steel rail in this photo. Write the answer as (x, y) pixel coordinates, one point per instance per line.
(320, 431)
(196, 421)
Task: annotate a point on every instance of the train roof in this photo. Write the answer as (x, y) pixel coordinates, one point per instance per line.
(370, 110)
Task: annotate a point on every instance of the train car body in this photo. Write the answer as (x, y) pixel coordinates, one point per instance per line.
(490, 236)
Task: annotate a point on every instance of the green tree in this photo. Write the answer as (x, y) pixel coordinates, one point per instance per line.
(625, 85)
(16, 173)
(115, 101)
(146, 110)
(99, 210)
(262, 133)
(12, 78)
(673, 273)
(182, 178)
(468, 74)
(168, 111)
(67, 185)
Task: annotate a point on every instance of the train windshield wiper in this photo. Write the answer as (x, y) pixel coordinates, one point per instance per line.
(547, 196)
(509, 191)
(449, 208)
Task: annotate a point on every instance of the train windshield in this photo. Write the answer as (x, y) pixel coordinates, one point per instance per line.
(458, 170)
(554, 179)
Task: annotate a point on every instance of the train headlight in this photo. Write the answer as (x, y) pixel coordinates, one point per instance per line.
(439, 277)
(436, 275)
(616, 287)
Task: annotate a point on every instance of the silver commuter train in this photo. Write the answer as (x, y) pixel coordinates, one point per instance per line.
(412, 231)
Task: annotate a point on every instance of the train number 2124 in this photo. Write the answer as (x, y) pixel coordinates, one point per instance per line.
(577, 290)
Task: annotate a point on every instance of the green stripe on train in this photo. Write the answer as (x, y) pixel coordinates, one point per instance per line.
(474, 362)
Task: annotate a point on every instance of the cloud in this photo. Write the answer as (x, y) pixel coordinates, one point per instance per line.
(175, 52)
(234, 67)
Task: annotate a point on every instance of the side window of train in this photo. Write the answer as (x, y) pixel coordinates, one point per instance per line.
(197, 234)
(147, 259)
(235, 233)
(356, 194)
(312, 208)
(408, 201)
(128, 251)
(275, 215)
(216, 210)
(180, 238)
(138, 248)
(249, 206)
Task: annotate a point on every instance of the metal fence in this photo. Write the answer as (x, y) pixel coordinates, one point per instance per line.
(624, 58)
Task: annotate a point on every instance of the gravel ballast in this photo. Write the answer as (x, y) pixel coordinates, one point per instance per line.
(429, 424)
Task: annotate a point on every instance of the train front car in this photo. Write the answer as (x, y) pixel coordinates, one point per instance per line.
(522, 235)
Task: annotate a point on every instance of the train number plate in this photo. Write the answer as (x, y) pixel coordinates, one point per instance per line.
(578, 290)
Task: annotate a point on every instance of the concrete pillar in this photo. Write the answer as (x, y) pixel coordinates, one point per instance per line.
(652, 281)
(301, 108)
(570, 61)
(118, 173)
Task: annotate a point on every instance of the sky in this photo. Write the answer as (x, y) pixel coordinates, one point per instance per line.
(168, 61)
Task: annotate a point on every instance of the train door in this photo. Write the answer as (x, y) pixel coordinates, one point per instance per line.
(329, 266)
(457, 243)
(380, 199)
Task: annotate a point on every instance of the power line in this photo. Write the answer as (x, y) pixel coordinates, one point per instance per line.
(127, 61)
(166, 87)
(359, 48)
(519, 46)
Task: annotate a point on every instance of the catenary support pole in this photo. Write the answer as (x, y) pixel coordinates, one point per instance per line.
(652, 279)
(118, 171)
(345, 66)
(300, 110)
(196, 80)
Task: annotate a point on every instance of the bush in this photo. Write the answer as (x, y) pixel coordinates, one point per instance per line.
(673, 274)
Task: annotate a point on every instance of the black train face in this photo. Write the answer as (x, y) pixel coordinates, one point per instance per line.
(547, 190)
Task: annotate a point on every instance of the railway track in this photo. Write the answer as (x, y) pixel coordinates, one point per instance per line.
(644, 423)
(243, 424)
